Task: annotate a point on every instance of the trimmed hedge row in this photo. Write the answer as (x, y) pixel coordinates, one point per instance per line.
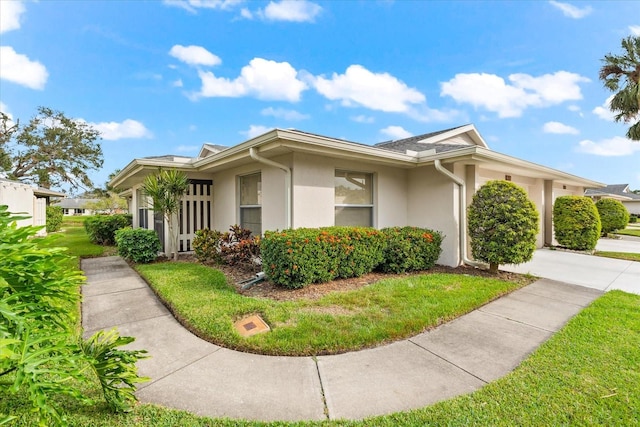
(102, 228)
(576, 222)
(296, 258)
(54, 218)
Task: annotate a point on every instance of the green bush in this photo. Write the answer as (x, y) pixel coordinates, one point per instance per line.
(42, 352)
(235, 247)
(295, 258)
(503, 224)
(633, 218)
(206, 245)
(576, 222)
(138, 245)
(410, 249)
(54, 218)
(102, 228)
(613, 215)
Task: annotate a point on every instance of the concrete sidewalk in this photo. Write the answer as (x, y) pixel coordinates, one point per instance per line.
(191, 374)
(591, 271)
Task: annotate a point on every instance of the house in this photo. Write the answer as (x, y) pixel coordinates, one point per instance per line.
(291, 179)
(620, 192)
(76, 206)
(25, 199)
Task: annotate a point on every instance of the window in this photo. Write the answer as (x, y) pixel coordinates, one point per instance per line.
(354, 198)
(143, 218)
(251, 203)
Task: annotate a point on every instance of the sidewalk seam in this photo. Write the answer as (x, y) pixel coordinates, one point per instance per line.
(324, 398)
(181, 368)
(448, 361)
(517, 321)
(127, 323)
(618, 276)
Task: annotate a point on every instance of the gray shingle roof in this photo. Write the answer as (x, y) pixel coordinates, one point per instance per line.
(413, 143)
(617, 189)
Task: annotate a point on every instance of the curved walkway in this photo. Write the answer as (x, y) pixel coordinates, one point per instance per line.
(194, 375)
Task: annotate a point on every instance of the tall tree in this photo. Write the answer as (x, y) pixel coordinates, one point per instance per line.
(50, 150)
(621, 74)
(166, 189)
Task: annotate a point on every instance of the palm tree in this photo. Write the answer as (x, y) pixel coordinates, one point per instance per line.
(621, 74)
(166, 189)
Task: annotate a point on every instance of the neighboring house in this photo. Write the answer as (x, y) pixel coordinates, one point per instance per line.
(24, 199)
(620, 192)
(291, 179)
(76, 206)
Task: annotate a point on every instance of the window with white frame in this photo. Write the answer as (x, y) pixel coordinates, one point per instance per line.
(353, 198)
(251, 203)
(143, 206)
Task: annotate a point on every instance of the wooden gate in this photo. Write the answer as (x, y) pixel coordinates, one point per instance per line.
(195, 213)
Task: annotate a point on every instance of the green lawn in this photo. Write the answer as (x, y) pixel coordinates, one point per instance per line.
(629, 256)
(386, 311)
(586, 374)
(629, 231)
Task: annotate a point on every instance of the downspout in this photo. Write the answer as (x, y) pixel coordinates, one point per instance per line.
(255, 156)
(462, 189)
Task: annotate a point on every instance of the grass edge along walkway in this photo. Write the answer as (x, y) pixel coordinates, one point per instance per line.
(588, 373)
(383, 312)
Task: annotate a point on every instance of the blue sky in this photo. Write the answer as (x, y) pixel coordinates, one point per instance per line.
(164, 77)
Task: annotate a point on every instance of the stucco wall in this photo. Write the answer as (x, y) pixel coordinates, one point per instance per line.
(314, 192)
(632, 207)
(19, 198)
(433, 203)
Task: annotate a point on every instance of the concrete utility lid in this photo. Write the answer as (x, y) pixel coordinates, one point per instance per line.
(251, 325)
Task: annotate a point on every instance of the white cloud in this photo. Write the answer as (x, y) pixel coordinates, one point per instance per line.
(193, 5)
(187, 148)
(10, 12)
(5, 109)
(363, 119)
(616, 146)
(291, 11)
(178, 83)
(18, 68)
(255, 130)
(194, 55)
(281, 113)
(571, 11)
(264, 79)
(376, 91)
(604, 111)
(635, 29)
(396, 132)
(573, 108)
(112, 131)
(491, 92)
(559, 128)
(246, 13)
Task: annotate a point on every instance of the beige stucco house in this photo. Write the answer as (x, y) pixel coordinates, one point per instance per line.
(290, 179)
(30, 201)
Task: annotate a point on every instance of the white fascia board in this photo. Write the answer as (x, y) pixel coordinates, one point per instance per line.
(469, 129)
(137, 165)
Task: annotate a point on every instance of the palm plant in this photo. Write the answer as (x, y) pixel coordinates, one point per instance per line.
(166, 189)
(621, 74)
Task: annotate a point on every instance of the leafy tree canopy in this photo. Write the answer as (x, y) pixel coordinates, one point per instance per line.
(621, 74)
(50, 150)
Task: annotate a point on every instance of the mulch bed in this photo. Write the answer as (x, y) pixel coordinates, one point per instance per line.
(269, 290)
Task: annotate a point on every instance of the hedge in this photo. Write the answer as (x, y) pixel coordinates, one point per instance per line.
(102, 228)
(138, 245)
(613, 215)
(296, 258)
(410, 249)
(54, 218)
(576, 222)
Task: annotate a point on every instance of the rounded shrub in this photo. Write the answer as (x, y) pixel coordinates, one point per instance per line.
(410, 249)
(576, 222)
(613, 215)
(502, 224)
(54, 218)
(138, 245)
(101, 229)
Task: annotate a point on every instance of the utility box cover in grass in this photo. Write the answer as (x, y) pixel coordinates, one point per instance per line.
(251, 325)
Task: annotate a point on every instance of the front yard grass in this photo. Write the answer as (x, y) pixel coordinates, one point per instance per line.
(629, 256)
(629, 231)
(586, 374)
(386, 311)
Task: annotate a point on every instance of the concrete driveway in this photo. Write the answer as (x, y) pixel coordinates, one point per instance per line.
(591, 271)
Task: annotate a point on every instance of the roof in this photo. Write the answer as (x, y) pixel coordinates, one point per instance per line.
(617, 191)
(459, 144)
(75, 203)
(37, 191)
